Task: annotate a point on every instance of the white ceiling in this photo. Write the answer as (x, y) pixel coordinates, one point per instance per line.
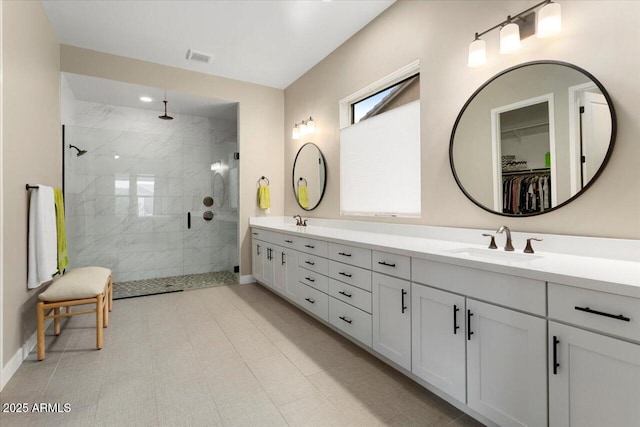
(266, 42)
(111, 92)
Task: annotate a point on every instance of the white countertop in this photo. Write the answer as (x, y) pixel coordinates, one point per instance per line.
(602, 274)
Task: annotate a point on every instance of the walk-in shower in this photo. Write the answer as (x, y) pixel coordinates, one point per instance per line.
(152, 198)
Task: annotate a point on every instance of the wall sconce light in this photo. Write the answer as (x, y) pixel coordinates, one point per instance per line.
(303, 128)
(513, 29)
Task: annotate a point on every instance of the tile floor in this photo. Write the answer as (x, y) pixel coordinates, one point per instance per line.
(229, 356)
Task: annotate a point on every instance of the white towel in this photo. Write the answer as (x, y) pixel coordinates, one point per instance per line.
(43, 249)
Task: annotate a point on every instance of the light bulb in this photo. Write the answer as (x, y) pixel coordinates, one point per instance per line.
(477, 53)
(549, 21)
(303, 128)
(311, 125)
(509, 38)
(296, 132)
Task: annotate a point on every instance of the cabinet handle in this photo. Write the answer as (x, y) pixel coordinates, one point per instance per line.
(258, 250)
(469, 333)
(346, 319)
(283, 261)
(255, 234)
(345, 294)
(455, 319)
(601, 313)
(309, 246)
(310, 263)
(310, 279)
(269, 254)
(556, 365)
(404, 307)
(344, 254)
(387, 264)
(312, 301)
(288, 241)
(344, 274)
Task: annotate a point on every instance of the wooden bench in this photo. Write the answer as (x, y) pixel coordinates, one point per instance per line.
(86, 285)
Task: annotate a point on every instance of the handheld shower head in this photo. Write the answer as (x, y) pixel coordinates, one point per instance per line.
(79, 151)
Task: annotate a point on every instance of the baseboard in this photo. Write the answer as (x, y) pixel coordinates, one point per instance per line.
(246, 279)
(15, 362)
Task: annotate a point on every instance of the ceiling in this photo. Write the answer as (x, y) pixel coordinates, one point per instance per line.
(268, 42)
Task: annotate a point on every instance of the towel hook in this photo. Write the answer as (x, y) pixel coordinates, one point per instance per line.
(302, 179)
(263, 178)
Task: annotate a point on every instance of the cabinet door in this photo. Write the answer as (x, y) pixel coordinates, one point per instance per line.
(392, 319)
(278, 263)
(506, 365)
(596, 380)
(268, 266)
(438, 339)
(258, 251)
(290, 273)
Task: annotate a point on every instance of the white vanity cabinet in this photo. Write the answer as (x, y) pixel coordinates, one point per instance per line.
(284, 263)
(438, 339)
(391, 314)
(257, 259)
(594, 380)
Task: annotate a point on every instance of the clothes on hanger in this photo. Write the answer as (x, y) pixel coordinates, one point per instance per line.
(526, 193)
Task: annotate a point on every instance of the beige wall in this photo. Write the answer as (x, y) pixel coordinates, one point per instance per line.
(260, 118)
(599, 36)
(31, 151)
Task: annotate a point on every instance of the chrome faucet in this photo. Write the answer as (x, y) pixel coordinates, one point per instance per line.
(298, 219)
(508, 246)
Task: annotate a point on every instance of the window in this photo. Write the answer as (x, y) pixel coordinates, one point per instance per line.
(380, 147)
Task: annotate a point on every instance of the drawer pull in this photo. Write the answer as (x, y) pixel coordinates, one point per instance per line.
(387, 264)
(344, 274)
(288, 241)
(310, 279)
(455, 319)
(255, 234)
(312, 301)
(556, 365)
(345, 294)
(469, 333)
(344, 254)
(310, 263)
(309, 246)
(346, 319)
(601, 313)
(404, 307)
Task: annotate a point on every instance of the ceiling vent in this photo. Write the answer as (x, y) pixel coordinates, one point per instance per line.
(194, 55)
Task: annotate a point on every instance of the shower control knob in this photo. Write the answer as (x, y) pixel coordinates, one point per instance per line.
(208, 216)
(208, 201)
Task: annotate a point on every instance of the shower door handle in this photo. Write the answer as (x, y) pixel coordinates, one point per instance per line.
(189, 220)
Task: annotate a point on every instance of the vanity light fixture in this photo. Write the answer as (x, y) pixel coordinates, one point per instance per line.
(549, 23)
(303, 128)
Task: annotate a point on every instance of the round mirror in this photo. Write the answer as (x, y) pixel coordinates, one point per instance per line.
(532, 138)
(309, 176)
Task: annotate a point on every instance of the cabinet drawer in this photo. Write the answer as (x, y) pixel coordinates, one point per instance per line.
(392, 264)
(289, 241)
(314, 263)
(312, 246)
(350, 320)
(313, 279)
(349, 274)
(314, 301)
(511, 291)
(595, 310)
(266, 236)
(359, 257)
(351, 295)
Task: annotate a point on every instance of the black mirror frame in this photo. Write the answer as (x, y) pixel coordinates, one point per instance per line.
(293, 176)
(595, 176)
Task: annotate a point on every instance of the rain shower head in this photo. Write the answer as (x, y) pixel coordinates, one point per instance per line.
(80, 152)
(165, 116)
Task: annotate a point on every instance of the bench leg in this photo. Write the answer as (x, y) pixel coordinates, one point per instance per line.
(99, 319)
(56, 321)
(110, 294)
(105, 309)
(40, 310)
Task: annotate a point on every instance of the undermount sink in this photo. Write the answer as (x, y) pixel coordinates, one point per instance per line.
(496, 255)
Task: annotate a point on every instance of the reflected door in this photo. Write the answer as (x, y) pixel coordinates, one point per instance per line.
(595, 130)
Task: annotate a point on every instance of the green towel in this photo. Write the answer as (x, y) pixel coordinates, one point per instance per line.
(264, 198)
(303, 196)
(63, 257)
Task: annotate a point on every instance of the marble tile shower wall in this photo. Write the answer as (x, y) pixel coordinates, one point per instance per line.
(127, 199)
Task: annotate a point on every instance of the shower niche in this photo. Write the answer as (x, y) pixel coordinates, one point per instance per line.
(134, 200)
